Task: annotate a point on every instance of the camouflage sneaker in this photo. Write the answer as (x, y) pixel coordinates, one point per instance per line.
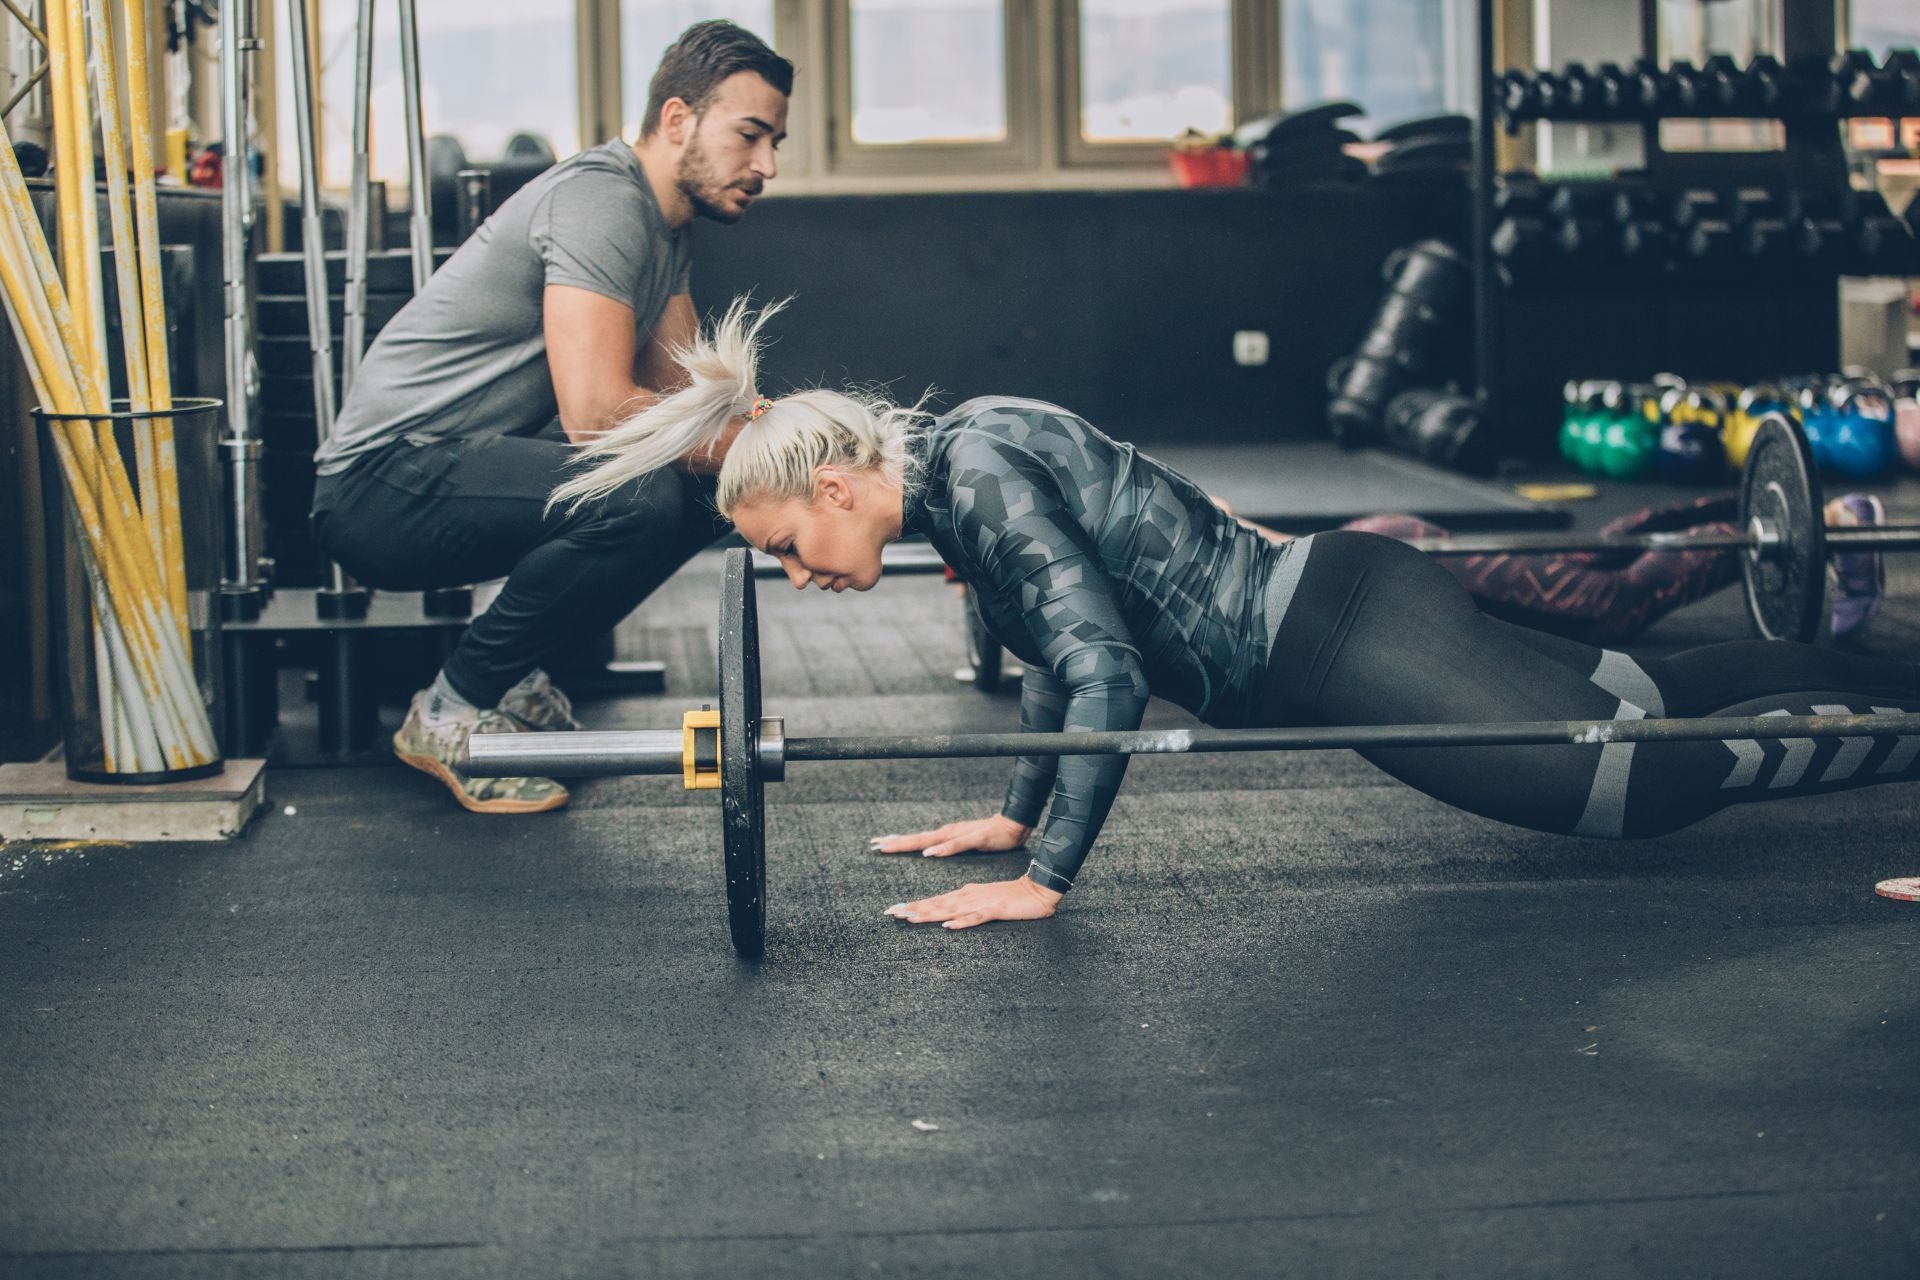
(1856, 580)
(437, 749)
(536, 704)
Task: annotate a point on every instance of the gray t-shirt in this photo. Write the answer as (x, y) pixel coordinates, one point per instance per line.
(468, 355)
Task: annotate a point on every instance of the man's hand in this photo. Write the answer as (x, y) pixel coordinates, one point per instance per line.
(974, 904)
(997, 834)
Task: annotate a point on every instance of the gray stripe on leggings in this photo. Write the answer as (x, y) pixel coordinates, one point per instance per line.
(1606, 814)
(1284, 582)
(1622, 677)
(1904, 749)
(1852, 754)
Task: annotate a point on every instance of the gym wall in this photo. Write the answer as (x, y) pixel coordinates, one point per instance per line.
(1121, 305)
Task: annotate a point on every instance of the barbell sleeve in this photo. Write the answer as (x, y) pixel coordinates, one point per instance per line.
(586, 753)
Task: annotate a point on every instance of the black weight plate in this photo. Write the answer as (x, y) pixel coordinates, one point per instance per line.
(983, 650)
(1786, 589)
(743, 812)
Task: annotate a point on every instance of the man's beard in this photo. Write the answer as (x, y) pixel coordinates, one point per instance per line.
(702, 190)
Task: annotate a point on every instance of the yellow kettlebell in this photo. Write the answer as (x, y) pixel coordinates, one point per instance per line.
(1754, 403)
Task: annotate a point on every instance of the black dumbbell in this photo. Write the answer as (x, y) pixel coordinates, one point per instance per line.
(1812, 88)
(1360, 389)
(1726, 86)
(1817, 222)
(1882, 244)
(1518, 98)
(1400, 333)
(1863, 87)
(1519, 247)
(1645, 86)
(1580, 200)
(1584, 242)
(1901, 71)
(1577, 91)
(1612, 96)
(1695, 205)
(1646, 245)
(1549, 91)
(1761, 231)
(1632, 202)
(1763, 84)
(1520, 195)
(1431, 274)
(1683, 90)
(1439, 426)
(1703, 230)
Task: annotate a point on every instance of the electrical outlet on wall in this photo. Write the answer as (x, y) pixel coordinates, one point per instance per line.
(1250, 347)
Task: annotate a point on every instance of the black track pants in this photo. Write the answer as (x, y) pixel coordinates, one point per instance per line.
(1378, 633)
(459, 511)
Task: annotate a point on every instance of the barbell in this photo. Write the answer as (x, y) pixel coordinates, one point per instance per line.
(1782, 534)
(737, 750)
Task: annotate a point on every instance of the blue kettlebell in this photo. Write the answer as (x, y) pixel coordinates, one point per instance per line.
(1690, 453)
(1860, 440)
(1817, 421)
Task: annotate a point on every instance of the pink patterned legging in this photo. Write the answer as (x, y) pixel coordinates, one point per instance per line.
(1596, 596)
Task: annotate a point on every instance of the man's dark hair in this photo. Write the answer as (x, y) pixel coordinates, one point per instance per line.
(705, 54)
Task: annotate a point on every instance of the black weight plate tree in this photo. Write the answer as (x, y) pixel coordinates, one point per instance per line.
(983, 649)
(742, 790)
(1786, 586)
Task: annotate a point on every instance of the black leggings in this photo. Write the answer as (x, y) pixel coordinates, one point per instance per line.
(467, 510)
(1378, 633)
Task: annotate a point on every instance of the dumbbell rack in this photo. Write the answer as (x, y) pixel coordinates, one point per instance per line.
(1741, 325)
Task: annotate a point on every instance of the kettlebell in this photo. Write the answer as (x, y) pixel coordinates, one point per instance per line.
(1628, 441)
(1906, 416)
(1751, 405)
(1817, 420)
(1860, 438)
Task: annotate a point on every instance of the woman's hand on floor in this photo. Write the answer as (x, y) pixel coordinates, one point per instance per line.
(997, 834)
(973, 904)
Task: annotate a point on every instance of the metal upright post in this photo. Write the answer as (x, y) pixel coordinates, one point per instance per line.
(241, 589)
(356, 281)
(417, 175)
(340, 597)
(1482, 221)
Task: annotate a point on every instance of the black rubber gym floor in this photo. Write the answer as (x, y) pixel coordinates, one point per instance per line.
(1298, 1020)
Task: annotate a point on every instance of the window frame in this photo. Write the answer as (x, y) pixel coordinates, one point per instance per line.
(1024, 104)
(1253, 83)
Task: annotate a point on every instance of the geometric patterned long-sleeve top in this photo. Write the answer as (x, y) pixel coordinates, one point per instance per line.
(1109, 575)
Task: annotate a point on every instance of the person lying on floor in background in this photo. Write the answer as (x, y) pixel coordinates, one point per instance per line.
(1610, 597)
(552, 321)
(1114, 578)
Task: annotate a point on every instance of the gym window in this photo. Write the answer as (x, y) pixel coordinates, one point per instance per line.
(1397, 58)
(489, 69)
(647, 27)
(905, 93)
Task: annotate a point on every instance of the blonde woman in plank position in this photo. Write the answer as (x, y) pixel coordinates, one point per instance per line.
(1113, 578)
